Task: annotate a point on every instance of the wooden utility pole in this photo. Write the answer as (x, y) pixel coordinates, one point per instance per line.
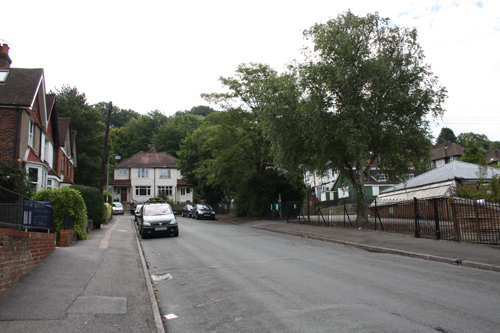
(105, 155)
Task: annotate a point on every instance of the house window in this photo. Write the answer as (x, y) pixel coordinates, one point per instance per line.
(33, 175)
(183, 191)
(122, 172)
(117, 190)
(62, 164)
(382, 177)
(165, 190)
(31, 133)
(343, 192)
(188, 190)
(143, 190)
(164, 173)
(3, 75)
(452, 158)
(143, 173)
(49, 183)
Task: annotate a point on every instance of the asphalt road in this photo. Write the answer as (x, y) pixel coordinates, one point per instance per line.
(228, 278)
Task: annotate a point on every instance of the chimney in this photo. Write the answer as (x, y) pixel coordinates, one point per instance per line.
(152, 150)
(5, 60)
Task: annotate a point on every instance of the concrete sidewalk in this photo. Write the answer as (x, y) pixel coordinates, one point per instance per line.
(457, 253)
(99, 285)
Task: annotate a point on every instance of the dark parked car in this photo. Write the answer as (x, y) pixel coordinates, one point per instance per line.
(187, 211)
(157, 218)
(133, 207)
(203, 211)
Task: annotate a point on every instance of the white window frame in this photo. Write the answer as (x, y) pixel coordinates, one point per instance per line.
(165, 174)
(381, 177)
(122, 172)
(147, 190)
(31, 133)
(167, 190)
(143, 173)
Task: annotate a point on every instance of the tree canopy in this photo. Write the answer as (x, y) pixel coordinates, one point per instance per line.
(90, 133)
(473, 153)
(446, 134)
(363, 97)
(481, 139)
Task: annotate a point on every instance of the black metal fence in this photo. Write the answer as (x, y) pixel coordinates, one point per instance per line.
(21, 213)
(474, 221)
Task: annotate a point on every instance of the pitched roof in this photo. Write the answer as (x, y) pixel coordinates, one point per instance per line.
(492, 156)
(455, 170)
(147, 160)
(447, 149)
(63, 124)
(21, 86)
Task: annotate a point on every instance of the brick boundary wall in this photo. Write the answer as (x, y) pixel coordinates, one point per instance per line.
(68, 237)
(20, 252)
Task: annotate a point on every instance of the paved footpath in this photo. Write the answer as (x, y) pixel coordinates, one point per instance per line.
(97, 285)
(457, 253)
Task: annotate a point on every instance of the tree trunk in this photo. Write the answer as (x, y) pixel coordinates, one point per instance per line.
(361, 203)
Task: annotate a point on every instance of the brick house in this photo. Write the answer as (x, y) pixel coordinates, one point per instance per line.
(30, 129)
(445, 153)
(147, 175)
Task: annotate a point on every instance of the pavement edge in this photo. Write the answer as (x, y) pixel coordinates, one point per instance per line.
(152, 298)
(378, 249)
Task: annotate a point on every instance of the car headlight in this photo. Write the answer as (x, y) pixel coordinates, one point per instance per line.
(173, 222)
(146, 224)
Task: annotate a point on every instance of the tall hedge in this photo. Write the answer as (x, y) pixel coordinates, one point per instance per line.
(94, 202)
(66, 201)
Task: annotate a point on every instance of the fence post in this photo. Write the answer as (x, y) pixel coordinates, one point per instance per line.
(478, 224)
(417, 233)
(436, 214)
(376, 212)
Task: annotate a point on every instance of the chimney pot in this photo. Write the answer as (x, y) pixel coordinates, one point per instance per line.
(5, 60)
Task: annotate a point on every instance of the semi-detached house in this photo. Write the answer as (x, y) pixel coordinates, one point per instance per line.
(148, 175)
(30, 130)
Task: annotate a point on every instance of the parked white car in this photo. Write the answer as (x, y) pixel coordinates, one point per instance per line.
(117, 208)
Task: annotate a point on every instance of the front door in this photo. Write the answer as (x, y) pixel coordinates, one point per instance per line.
(124, 194)
(183, 195)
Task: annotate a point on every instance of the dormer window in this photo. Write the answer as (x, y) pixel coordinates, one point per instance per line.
(3, 75)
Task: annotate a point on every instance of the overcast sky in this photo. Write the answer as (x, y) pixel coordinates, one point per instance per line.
(162, 55)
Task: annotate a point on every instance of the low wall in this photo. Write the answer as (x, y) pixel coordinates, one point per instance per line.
(20, 252)
(68, 237)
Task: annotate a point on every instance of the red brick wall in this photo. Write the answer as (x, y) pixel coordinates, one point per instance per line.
(68, 237)
(8, 135)
(20, 252)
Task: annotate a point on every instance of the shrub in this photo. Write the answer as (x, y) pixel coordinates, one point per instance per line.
(66, 201)
(94, 202)
(109, 209)
(15, 178)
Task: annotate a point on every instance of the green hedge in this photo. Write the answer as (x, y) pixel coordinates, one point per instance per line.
(94, 202)
(66, 201)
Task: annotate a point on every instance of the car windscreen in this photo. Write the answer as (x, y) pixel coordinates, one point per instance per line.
(204, 207)
(153, 210)
(117, 205)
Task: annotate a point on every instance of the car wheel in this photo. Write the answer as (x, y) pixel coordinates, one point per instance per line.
(197, 217)
(143, 235)
(176, 233)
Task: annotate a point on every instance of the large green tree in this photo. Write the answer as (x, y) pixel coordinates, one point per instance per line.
(90, 133)
(446, 134)
(481, 139)
(365, 96)
(174, 130)
(473, 153)
(119, 117)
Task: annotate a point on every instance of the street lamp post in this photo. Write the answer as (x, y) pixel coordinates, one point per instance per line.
(107, 183)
